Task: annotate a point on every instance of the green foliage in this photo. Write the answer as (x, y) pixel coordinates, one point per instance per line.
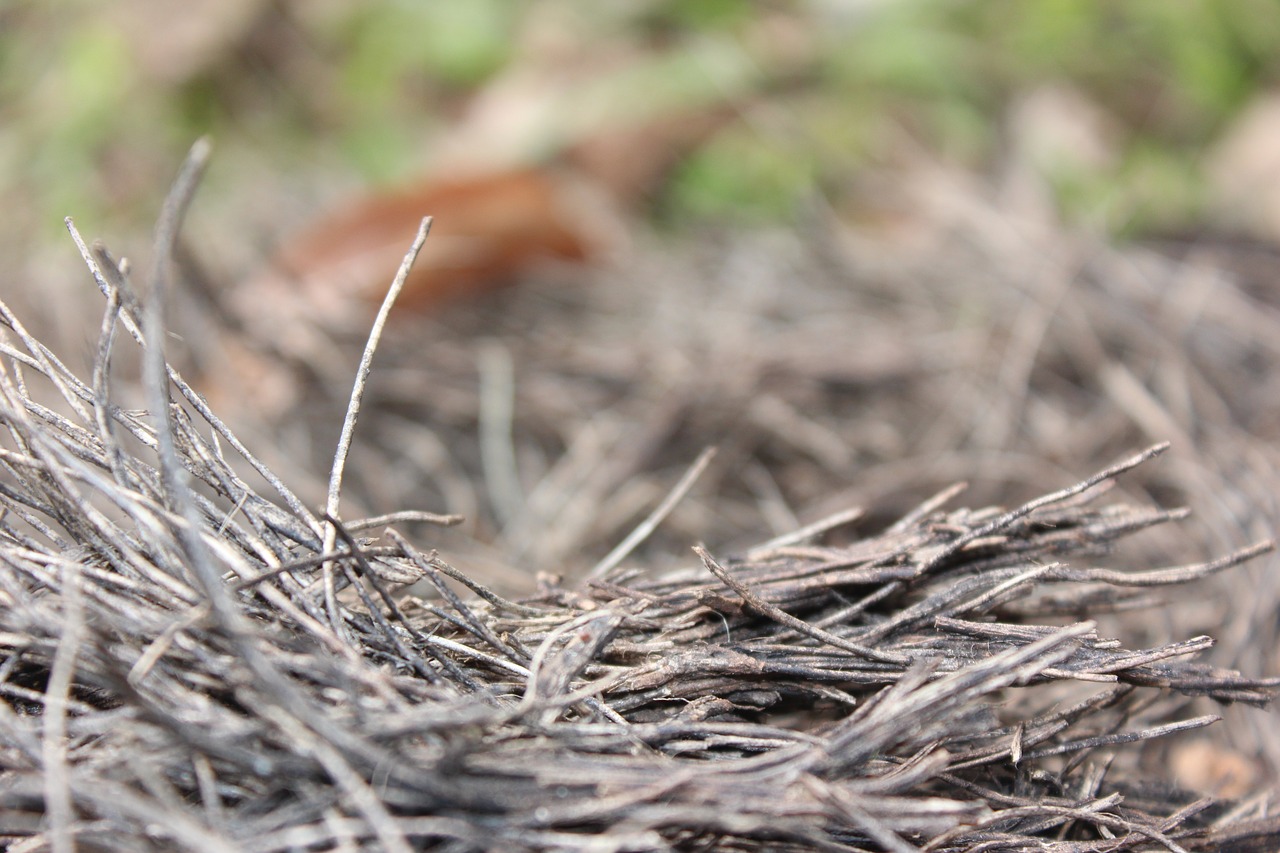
(398, 57)
(741, 178)
(457, 44)
(384, 75)
(59, 111)
(1159, 192)
(713, 15)
(1170, 74)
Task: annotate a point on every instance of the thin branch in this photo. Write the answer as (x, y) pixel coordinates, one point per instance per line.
(782, 617)
(353, 411)
(651, 522)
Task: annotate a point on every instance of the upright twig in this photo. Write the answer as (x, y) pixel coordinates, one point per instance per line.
(353, 411)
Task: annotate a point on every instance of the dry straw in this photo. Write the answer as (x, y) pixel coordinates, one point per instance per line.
(186, 663)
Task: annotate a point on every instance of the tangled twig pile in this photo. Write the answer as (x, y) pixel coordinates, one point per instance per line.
(191, 665)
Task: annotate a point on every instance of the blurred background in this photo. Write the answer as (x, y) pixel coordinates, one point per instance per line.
(867, 247)
(1143, 117)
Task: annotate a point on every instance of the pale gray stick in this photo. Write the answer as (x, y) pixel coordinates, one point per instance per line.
(646, 527)
(353, 412)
